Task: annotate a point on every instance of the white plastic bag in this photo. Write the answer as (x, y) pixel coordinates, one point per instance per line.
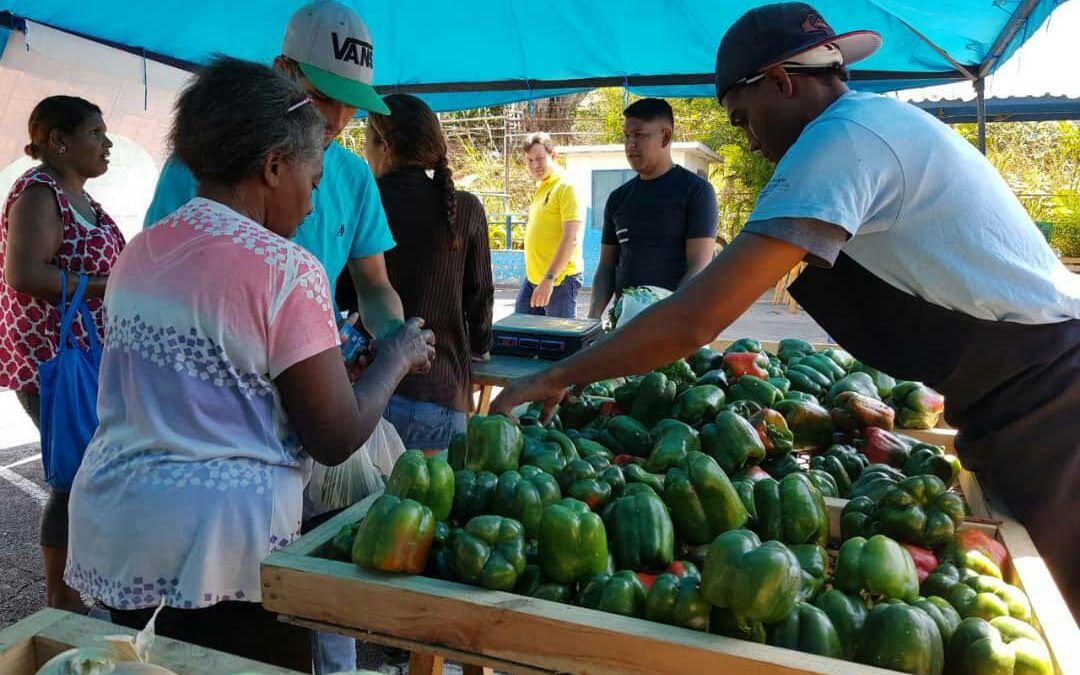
(632, 302)
(364, 472)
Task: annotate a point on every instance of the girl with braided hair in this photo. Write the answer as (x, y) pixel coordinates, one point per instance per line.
(441, 267)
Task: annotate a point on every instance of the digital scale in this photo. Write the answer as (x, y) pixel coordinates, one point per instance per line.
(545, 337)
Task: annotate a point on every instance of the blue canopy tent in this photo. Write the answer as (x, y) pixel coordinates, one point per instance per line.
(487, 52)
(1009, 109)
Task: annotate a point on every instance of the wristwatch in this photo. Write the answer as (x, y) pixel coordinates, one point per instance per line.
(549, 277)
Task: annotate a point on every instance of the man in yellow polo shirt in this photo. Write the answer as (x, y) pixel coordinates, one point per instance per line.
(553, 260)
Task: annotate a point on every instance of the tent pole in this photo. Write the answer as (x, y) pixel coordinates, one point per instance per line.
(980, 111)
(1022, 13)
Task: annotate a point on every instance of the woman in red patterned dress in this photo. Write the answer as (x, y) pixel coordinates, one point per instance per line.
(49, 224)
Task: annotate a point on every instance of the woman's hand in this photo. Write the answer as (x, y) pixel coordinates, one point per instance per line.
(541, 388)
(413, 345)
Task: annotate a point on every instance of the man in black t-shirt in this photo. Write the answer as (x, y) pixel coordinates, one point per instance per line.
(660, 227)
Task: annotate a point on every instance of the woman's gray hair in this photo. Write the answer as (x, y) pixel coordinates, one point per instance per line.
(235, 113)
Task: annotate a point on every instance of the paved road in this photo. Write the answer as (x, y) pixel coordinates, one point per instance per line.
(23, 489)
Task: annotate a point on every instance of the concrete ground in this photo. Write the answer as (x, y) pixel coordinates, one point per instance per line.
(23, 490)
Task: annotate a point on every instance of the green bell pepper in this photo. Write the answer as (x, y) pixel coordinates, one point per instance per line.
(548, 450)
(577, 411)
(680, 373)
(573, 543)
(853, 461)
(701, 499)
(791, 511)
(619, 593)
(582, 481)
(744, 345)
(926, 459)
(840, 357)
(811, 425)
(943, 614)
(532, 583)
(634, 473)
(394, 536)
(490, 552)
(626, 435)
(806, 629)
(673, 439)
(901, 637)
(834, 467)
(653, 400)
(852, 412)
(877, 565)
(473, 492)
(773, 431)
(624, 394)
(522, 495)
(920, 511)
(781, 383)
(438, 561)
(860, 383)
(588, 448)
(781, 466)
(704, 360)
(875, 481)
(824, 482)
(603, 388)
(977, 595)
(678, 602)
(428, 480)
(857, 518)
(822, 364)
(716, 377)
(917, 406)
(342, 543)
(493, 443)
(750, 388)
(884, 383)
(723, 621)
(814, 561)
(698, 404)
(848, 615)
(758, 582)
(1002, 646)
(790, 347)
(807, 380)
(794, 395)
(744, 409)
(732, 441)
(642, 536)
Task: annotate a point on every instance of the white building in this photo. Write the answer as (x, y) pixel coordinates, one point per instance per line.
(596, 170)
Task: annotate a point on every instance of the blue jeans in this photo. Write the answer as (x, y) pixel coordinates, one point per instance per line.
(332, 653)
(563, 301)
(423, 425)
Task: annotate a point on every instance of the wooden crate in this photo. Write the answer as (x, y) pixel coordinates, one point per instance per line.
(28, 644)
(519, 634)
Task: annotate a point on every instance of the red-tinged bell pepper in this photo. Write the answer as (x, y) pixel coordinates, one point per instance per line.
(489, 551)
(492, 443)
(680, 569)
(854, 412)
(1002, 645)
(752, 474)
(970, 540)
(395, 536)
(737, 364)
(773, 430)
(901, 637)
(879, 566)
(758, 582)
(924, 559)
(428, 480)
(884, 447)
(917, 406)
(810, 424)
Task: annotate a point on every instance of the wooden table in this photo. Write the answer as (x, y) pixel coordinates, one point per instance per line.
(500, 370)
(26, 646)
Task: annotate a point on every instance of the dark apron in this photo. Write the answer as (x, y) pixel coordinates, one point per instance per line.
(1012, 390)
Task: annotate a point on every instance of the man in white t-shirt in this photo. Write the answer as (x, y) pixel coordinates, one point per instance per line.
(922, 264)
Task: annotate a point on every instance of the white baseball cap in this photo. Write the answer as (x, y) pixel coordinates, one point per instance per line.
(335, 53)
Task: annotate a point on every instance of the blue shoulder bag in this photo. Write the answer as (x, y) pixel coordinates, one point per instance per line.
(69, 387)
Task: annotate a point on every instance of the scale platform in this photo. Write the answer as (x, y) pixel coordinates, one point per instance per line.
(545, 337)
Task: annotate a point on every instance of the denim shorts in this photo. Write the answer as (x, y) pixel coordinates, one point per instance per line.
(423, 425)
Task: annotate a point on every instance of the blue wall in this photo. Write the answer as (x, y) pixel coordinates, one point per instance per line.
(508, 267)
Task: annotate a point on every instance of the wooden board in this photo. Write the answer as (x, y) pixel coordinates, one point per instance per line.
(513, 633)
(26, 646)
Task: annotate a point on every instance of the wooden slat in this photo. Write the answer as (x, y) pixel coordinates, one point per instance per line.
(421, 663)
